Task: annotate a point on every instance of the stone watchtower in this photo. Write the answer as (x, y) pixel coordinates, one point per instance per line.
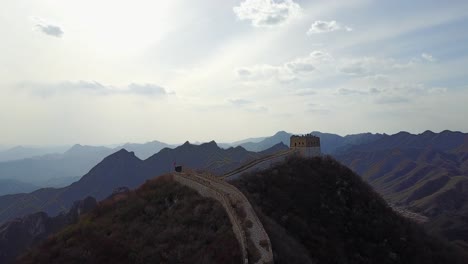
(307, 145)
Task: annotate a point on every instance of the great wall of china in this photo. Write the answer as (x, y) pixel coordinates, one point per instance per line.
(247, 227)
(245, 223)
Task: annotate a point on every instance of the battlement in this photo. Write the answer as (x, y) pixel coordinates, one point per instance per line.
(307, 145)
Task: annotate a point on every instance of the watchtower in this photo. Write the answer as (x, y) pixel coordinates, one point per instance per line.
(307, 145)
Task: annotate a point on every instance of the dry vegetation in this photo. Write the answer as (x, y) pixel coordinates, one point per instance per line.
(318, 211)
(161, 222)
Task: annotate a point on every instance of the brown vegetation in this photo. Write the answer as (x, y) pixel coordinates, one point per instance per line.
(161, 222)
(318, 211)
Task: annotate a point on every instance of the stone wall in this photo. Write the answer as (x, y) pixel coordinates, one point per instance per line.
(203, 187)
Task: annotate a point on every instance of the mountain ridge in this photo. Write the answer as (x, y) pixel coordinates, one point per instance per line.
(123, 168)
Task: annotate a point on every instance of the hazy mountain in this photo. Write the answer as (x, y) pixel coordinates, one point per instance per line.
(268, 142)
(18, 235)
(427, 173)
(253, 140)
(58, 182)
(145, 150)
(61, 169)
(20, 152)
(330, 143)
(123, 168)
(74, 162)
(9, 186)
(314, 211)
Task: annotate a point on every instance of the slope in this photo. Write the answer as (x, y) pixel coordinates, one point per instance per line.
(426, 173)
(161, 222)
(318, 211)
(18, 235)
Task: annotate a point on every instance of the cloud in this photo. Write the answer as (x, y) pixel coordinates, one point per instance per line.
(326, 26)
(240, 102)
(392, 100)
(247, 105)
(289, 71)
(366, 66)
(267, 13)
(92, 88)
(266, 72)
(428, 57)
(48, 28)
(146, 89)
(317, 109)
(304, 92)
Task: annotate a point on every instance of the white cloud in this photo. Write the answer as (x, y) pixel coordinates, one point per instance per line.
(289, 71)
(92, 88)
(265, 13)
(240, 102)
(326, 26)
(428, 57)
(266, 72)
(366, 66)
(48, 28)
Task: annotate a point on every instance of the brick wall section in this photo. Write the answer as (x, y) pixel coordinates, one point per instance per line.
(254, 163)
(257, 231)
(228, 195)
(204, 188)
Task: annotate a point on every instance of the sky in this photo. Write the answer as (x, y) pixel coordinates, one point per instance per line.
(105, 72)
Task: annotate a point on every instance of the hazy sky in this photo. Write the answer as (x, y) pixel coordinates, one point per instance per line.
(101, 72)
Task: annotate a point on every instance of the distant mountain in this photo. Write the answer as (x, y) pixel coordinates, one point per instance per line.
(330, 143)
(268, 142)
(75, 162)
(427, 173)
(253, 140)
(18, 235)
(123, 168)
(58, 170)
(20, 152)
(146, 150)
(9, 186)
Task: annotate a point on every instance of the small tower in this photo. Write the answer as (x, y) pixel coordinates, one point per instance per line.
(307, 145)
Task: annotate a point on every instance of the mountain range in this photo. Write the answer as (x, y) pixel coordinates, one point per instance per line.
(330, 143)
(427, 173)
(313, 210)
(21, 152)
(62, 169)
(123, 168)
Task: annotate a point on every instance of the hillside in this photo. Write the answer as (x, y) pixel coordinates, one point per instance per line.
(18, 235)
(161, 222)
(426, 173)
(123, 168)
(314, 210)
(318, 211)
